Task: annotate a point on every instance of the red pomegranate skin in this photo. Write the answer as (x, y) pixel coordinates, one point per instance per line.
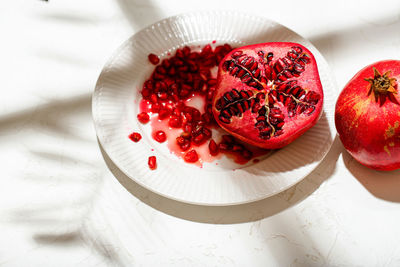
(369, 124)
(242, 125)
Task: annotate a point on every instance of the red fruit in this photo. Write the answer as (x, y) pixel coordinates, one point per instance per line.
(268, 94)
(191, 156)
(135, 137)
(160, 136)
(152, 162)
(154, 59)
(143, 117)
(367, 116)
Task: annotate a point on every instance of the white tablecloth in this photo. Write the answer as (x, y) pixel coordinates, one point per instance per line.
(60, 205)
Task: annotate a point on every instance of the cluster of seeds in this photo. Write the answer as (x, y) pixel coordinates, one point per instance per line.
(174, 80)
(269, 82)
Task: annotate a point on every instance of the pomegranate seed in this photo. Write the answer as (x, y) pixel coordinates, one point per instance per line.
(186, 51)
(154, 98)
(179, 53)
(135, 137)
(175, 121)
(154, 59)
(143, 117)
(188, 128)
(237, 148)
(158, 76)
(148, 84)
(207, 133)
(163, 95)
(206, 50)
(185, 146)
(219, 49)
(160, 136)
(180, 140)
(163, 113)
(229, 139)
(199, 139)
(152, 162)
(191, 156)
(166, 63)
(197, 130)
(247, 154)
(212, 146)
(183, 143)
(237, 54)
(171, 71)
(146, 93)
(161, 70)
(193, 55)
(212, 82)
(196, 115)
(193, 67)
(155, 107)
(228, 48)
(224, 147)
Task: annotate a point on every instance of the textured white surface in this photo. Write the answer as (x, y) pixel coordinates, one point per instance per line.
(61, 206)
(116, 104)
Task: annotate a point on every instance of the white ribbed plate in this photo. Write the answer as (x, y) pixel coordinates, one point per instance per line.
(115, 106)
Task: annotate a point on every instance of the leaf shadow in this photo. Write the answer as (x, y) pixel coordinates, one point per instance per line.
(48, 117)
(140, 13)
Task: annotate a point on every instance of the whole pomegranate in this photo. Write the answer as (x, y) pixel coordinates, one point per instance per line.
(367, 116)
(268, 94)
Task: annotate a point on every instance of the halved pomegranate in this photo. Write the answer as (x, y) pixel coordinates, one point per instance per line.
(268, 94)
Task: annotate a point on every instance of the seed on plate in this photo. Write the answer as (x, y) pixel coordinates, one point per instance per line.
(135, 137)
(152, 162)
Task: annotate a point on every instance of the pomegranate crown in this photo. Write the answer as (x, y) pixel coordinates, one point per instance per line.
(383, 86)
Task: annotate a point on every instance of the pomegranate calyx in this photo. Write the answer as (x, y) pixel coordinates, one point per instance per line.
(381, 85)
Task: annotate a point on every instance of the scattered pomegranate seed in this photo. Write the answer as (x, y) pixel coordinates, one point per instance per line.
(154, 98)
(135, 137)
(154, 59)
(143, 117)
(213, 147)
(183, 143)
(163, 113)
(191, 156)
(181, 76)
(152, 162)
(160, 136)
(175, 122)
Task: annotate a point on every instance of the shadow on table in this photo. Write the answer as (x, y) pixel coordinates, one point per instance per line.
(48, 117)
(237, 213)
(56, 219)
(381, 184)
(140, 13)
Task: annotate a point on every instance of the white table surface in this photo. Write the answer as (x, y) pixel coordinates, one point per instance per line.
(61, 206)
